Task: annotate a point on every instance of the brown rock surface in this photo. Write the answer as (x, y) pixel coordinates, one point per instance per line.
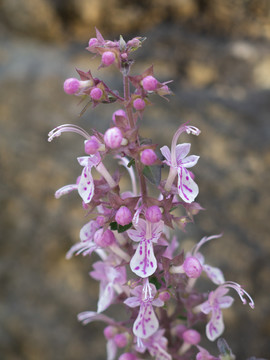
(41, 292)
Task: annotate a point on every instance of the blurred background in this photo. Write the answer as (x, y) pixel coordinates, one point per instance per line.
(218, 54)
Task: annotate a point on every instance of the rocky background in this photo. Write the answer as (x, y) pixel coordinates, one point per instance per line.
(218, 54)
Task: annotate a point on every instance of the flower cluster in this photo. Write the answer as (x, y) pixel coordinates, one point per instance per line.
(131, 231)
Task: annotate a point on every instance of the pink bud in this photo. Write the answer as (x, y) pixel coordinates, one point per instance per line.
(148, 157)
(109, 332)
(71, 85)
(180, 329)
(134, 43)
(123, 216)
(138, 104)
(191, 336)
(153, 214)
(192, 267)
(104, 239)
(100, 220)
(128, 356)
(113, 137)
(124, 56)
(96, 93)
(93, 42)
(119, 112)
(149, 83)
(108, 57)
(120, 340)
(91, 146)
(165, 296)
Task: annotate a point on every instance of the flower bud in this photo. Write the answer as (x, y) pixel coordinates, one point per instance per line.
(148, 157)
(113, 138)
(128, 356)
(121, 340)
(123, 216)
(119, 112)
(135, 43)
(108, 57)
(91, 146)
(149, 83)
(93, 42)
(109, 332)
(100, 220)
(164, 296)
(71, 85)
(104, 239)
(180, 329)
(96, 93)
(192, 267)
(153, 214)
(191, 336)
(138, 104)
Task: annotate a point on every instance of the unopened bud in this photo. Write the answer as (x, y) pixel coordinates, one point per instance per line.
(104, 239)
(153, 214)
(113, 138)
(191, 336)
(71, 85)
(128, 356)
(119, 112)
(149, 83)
(138, 104)
(148, 157)
(192, 267)
(109, 332)
(96, 93)
(93, 42)
(164, 296)
(123, 216)
(108, 57)
(121, 340)
(91, 146)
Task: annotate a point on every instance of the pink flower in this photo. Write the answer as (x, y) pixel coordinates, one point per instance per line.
(156, 345)
(218, 300)
(144, 262)
(146, 323)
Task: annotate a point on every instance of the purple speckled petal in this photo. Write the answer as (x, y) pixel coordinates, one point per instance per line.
(65, 190)
(215, 327)
(88, 230)
(106, 296)
(165, 151)
(144, 262)
(86, 185)
(187, 188)
(138, 234)
(214, 274)
(158, 352)
(181, 152)
(83, 160)
(157, 230)
(146, 323)
(190, 161)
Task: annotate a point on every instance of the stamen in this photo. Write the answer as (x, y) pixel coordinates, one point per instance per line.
(241, 292)
(193, 130)
(147, 291)
(124, 162)
(67, 128)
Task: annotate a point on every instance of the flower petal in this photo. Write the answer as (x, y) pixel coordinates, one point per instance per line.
(214, 274)
(225, 302)
(111, 349)
(146, 323)
(88, 230)
(187, 188)
(65, 190)
(181, 152)
(86, 185)
(143, 262)
(106, 296)
(165, 151)
(215, 326)
(190, 161)
(157, 230)
(140, 230)
(132, 301)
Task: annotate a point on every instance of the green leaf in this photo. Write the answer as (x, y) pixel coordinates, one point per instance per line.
(131, 163)
(153, 174)
(124, 228)
(153, 280)
(113, 225)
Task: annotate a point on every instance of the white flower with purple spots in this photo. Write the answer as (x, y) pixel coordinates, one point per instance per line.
(143, 262)
(178, 161)
(218, 300)
(156, 345)
(146, 323)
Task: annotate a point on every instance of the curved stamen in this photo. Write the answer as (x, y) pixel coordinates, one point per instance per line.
(56, 132)
(124, 162)
(241, 292)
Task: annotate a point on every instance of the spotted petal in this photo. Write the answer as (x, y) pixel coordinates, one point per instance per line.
(215, 327)
(146, 323)
(190, 161)
(138, 234)
(214, 274)
(144, 262)
(65, 190)
(86, 185)
(88, 230)
(187, 188)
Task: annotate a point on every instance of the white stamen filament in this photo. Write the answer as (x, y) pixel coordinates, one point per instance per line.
(56, 132)
(124, 162)
(118, 251)
(147, 290)
(104, 172)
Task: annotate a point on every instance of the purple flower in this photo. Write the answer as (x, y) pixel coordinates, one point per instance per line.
(214, 274)
(218, 300)
(156, 345)
(146, 323)
(144, 263)
(111, 280)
